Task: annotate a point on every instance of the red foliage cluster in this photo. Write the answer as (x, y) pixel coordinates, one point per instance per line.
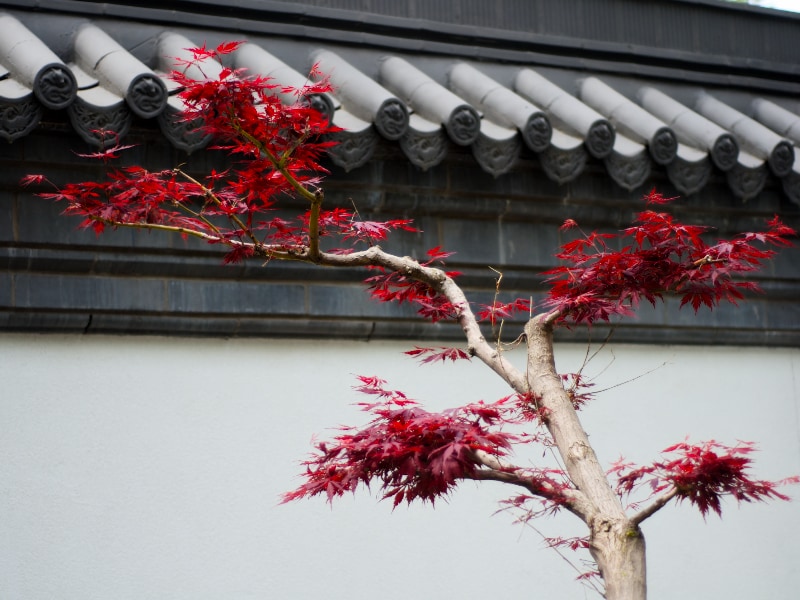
(246, 113)
(657, 256)
(703, 474)
(278, 147)
(415, 454)
(394, 286)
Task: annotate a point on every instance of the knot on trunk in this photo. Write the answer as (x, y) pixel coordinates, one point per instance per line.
(578, 451)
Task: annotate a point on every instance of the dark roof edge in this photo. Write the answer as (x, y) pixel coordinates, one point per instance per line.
(479, 43)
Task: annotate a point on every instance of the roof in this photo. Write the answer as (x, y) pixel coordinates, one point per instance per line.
(105, 74)
(488, 123)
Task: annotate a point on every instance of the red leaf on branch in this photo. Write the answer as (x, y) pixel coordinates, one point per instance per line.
(29, 180)
(577, 388)
(568, 224)
(659, 256)
(227, 47)
(573, 543)
(434, 354)
(393, 286)
(437, 254)
(500, 310)
(412, 453)
(703, 474)
(654, 197)
(376, 231)
(110, 153)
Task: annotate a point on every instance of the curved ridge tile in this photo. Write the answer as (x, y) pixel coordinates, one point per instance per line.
(363, 96)
(174, 56)
(257, 61)
(431, 100)
(631, 119)
(30, 62)
(424, 143)
(185, 135)
(20, 113)
(356, 141)
(690, 170)
(692, 128)
(597, 132)
(565, 158)
(501, 105)
(758, 139)
(497, 148)
(629, 164)
(747, 178)
(100, 116)
(119, 71)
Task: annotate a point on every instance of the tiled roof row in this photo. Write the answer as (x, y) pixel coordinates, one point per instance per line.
(103, 86)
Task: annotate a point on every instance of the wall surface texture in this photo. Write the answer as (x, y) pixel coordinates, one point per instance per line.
(149, 467)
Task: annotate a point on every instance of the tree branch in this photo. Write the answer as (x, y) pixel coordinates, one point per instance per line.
(278, 164)
(313, 226)
(438, 280)
(434, 277)
(653, 507)
(213, 197)
(498, 470)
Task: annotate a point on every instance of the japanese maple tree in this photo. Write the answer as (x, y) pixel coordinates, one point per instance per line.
(412, 454)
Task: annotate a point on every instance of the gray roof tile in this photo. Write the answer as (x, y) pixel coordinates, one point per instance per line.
(629, 164)
(630, 119)
(431, 100)
(119, 72)
(777, 118)
(356, 142)
(760, 141)
(691, 128)
(30, 62)
(257, 61)
(363, 96)
(502, 105)
(569, 112)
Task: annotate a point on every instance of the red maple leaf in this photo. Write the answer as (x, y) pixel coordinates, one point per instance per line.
(433, 354)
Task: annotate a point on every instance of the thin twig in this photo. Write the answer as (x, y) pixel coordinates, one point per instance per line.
(313, 226)
(209, 193)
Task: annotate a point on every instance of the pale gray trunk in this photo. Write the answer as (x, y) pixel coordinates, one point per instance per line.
(616, 544)
(618, 549)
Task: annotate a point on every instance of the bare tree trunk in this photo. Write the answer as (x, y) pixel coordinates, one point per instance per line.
(616, 543)
(619, 550)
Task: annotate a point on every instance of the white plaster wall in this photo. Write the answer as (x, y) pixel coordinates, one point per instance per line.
(137, 468)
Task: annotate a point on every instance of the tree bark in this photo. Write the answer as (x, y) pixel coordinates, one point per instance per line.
(615, 542)
(618, 548)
